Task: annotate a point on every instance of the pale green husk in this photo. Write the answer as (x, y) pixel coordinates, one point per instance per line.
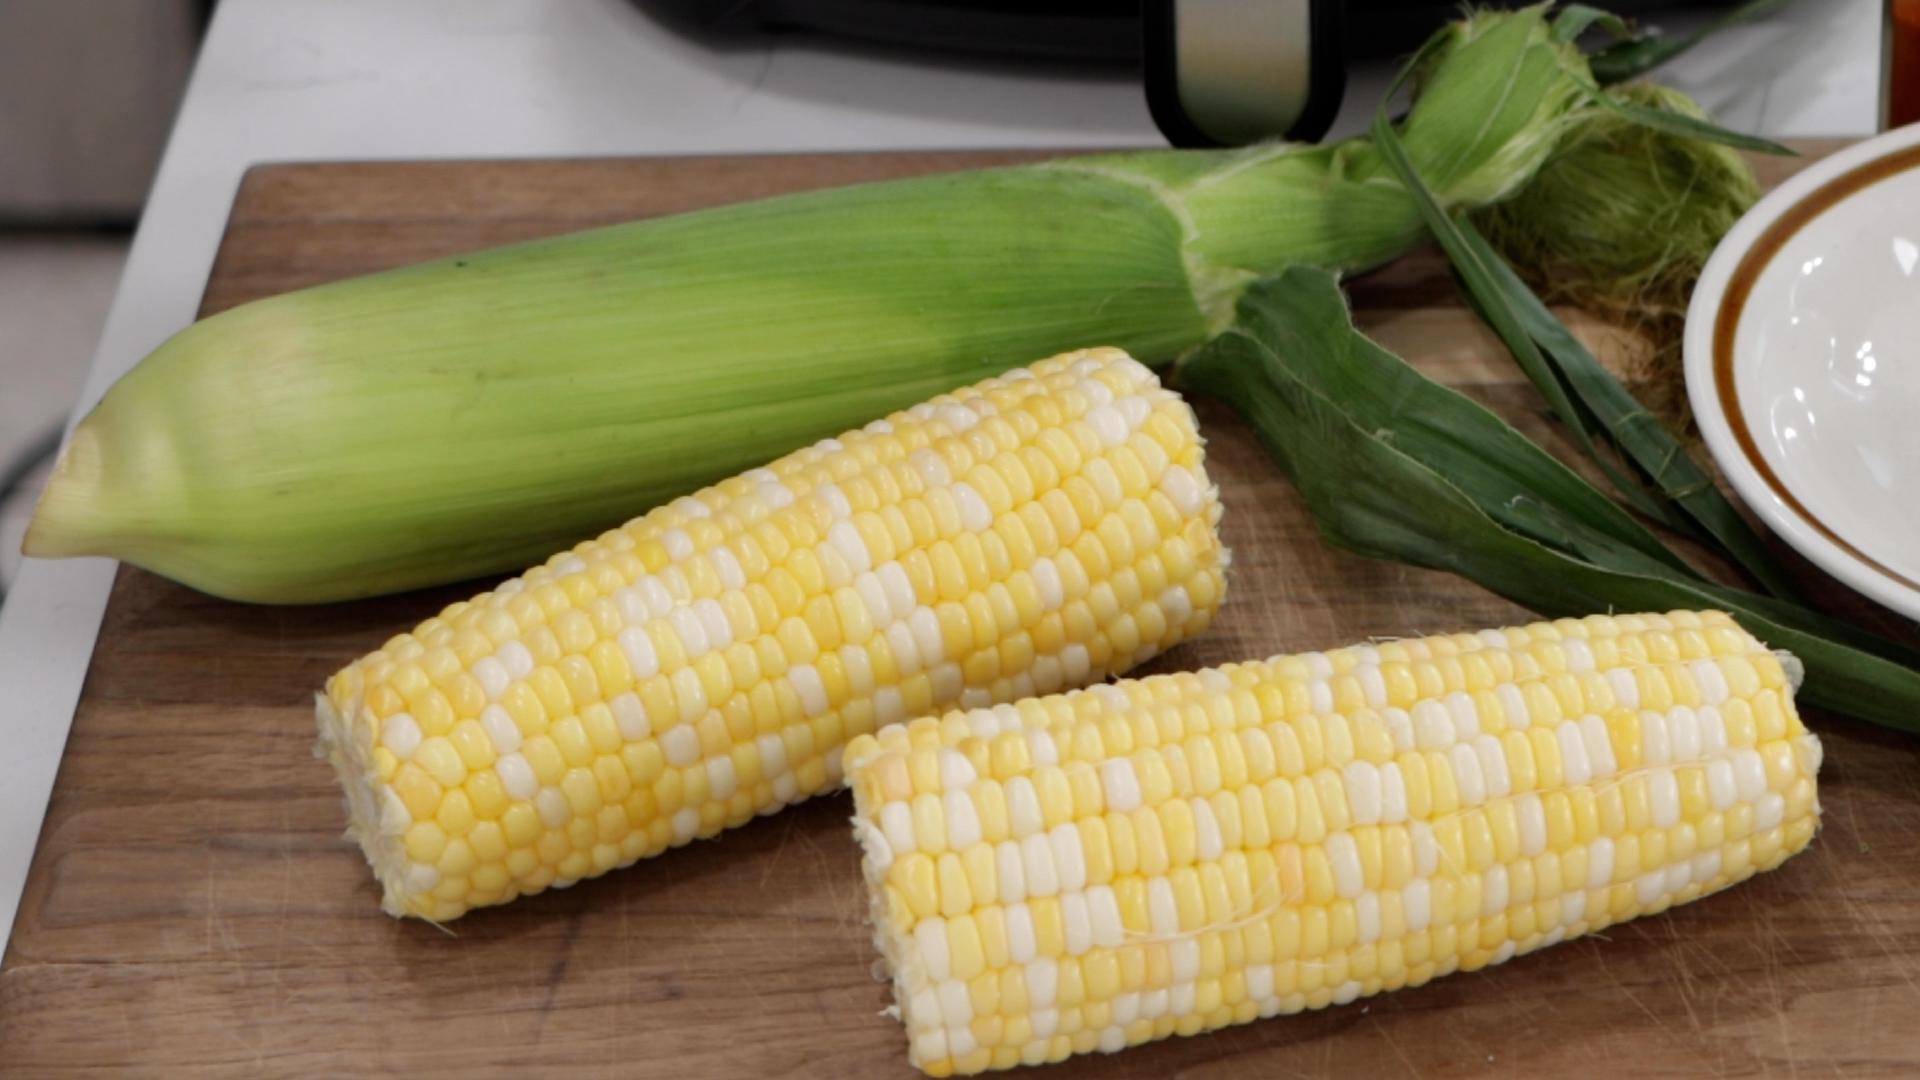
(470, 416)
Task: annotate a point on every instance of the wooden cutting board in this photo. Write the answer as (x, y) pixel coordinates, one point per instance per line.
(193, 910)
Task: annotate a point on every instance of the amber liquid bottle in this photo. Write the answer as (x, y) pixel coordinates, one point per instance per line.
(1902, 64)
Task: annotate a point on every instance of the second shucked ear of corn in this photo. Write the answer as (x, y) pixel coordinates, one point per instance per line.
(1172, 855)
(708, 662)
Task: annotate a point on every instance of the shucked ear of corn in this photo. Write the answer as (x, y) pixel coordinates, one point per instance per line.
(1175, 854)
(468, 416)
(707, 662)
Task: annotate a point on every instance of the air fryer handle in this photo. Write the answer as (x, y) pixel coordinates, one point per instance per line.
(1230, 72)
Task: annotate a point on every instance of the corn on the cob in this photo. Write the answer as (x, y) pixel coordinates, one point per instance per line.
(1171, 855)
(707, 662)
(469, 416)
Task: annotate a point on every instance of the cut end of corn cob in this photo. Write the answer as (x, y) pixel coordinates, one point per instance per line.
(707, 662)
(1172, 855)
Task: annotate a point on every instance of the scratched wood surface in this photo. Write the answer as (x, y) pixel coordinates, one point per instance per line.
(193, 910)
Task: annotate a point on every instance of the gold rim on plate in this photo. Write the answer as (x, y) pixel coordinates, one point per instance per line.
(1733, 302)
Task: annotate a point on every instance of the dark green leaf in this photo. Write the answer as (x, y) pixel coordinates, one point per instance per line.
(1637, 433)
(1555, 361)
(1369, 496)
(1638, 55)
(1306, 322)
(1691, 126)
(1477, 274)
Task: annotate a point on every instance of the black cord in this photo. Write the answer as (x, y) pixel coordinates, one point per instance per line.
(37, 453)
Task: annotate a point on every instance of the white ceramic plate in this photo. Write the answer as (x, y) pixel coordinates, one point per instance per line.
(1803, 364)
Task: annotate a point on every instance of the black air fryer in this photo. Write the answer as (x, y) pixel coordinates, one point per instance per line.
(1217, 72)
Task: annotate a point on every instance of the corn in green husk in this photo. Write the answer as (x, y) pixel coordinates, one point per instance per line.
(461, 417)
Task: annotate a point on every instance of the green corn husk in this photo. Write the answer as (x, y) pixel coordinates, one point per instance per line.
(1394, 466)
(466, 416)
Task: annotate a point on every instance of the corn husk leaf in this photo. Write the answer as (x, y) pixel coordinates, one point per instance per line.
(1564, 370)
(1642, 52)
(1373, 493)
(1692, 127)
(1523, 487)
(1576, 19)
(1471, 265)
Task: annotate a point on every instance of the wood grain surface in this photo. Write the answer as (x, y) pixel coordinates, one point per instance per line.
(193, 910)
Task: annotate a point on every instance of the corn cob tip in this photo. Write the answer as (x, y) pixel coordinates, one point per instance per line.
(1795, 668)
(66, 519)
(378, 830)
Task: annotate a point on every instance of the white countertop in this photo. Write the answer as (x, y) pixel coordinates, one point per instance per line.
(284, 80)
